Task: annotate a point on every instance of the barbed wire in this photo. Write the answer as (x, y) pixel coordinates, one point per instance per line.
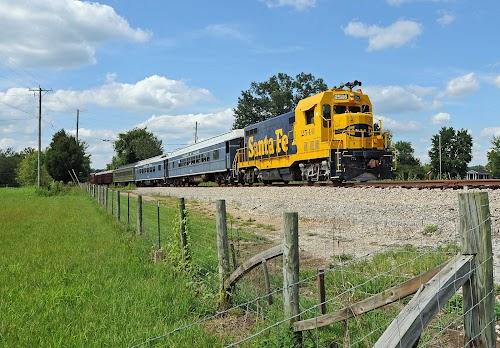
(334, 268)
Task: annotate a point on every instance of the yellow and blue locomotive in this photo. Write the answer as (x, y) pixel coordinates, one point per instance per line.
(329, 136)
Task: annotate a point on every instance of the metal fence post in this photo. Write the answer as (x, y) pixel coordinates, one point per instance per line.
(118, 205)
(140, 228)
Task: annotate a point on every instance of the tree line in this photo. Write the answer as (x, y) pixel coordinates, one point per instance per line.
(277, 95)
(64, 154)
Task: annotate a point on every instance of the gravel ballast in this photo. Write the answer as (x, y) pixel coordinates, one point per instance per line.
(356, 221)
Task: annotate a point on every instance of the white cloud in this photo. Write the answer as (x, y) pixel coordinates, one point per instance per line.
(59, 33)
(491, 132)
(299, 5)
(225, 31)
(393, 99)
(497, 81)
(402, 2)
(93, 134)
(155, 92)
(462, 84)
(180, 128)
(445, 18)
(441, 117)
(395, 35)
(399, 126)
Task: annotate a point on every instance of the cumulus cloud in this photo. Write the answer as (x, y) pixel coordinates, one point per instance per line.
(445, 18)
(394, 35)
(497, 81)
(462, 84)
(59, 33)
(491, 132)
(393, 99)
(441, 117)
(180, 128)
(400, 126)
(299, 5)
(155, 92)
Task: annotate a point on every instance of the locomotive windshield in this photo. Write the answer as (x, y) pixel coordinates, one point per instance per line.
(342, 109)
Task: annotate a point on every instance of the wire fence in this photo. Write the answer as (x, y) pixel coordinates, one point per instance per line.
(348, 281)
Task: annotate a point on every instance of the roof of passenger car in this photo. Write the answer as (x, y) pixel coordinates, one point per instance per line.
(234, 134)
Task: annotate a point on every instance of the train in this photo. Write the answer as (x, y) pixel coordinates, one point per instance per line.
(329, 136)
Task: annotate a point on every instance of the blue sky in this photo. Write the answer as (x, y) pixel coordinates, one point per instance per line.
(165, 64)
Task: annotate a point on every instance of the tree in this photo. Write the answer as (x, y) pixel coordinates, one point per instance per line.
(65, 154)
(493, 165)
(135, 145)
(9, 161)
(280, 94)
(27, 172)
(456, 152)
(408, 167)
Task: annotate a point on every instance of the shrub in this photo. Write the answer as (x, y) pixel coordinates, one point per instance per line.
(430, 229)
(52, 189)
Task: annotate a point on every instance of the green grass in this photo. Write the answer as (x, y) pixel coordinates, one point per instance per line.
(70, 276)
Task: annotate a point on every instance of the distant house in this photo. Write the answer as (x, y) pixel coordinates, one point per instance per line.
(477, 175)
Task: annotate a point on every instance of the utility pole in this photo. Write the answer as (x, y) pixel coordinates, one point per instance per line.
(77, 119)
(196, 132)
(440, 157)
(39, 90)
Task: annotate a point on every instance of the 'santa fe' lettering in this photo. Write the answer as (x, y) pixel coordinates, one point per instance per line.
(268, 146)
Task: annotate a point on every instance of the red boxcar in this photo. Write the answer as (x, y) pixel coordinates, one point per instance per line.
(102, 178)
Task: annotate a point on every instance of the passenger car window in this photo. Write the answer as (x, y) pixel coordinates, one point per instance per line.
(215, 154)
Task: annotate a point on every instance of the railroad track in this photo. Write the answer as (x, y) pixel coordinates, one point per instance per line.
(431, 184)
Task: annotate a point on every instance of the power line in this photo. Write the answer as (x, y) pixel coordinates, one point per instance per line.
(17, 108)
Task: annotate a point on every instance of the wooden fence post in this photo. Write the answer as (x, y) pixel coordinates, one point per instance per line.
(139, 215)
(321, 291)
(291, 271)
(267, 282)
(478, 291)
(128, 208)
(223, 253)
(112, 203)
(106, 198)
(182, 230)
(118, 206)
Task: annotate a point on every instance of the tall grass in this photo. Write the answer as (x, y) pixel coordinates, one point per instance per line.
(72, 277)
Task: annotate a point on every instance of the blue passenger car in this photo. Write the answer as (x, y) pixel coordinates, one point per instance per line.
(151, 171)
(208, 160)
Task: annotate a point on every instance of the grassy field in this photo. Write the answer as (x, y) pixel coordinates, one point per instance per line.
(71, 274)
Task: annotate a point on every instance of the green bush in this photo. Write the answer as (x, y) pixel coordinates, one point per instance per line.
(430, 229)
(54, 188)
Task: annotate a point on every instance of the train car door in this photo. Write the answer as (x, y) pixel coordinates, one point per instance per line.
(228, 157)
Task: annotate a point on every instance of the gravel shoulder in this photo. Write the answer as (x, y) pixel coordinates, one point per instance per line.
(355, 221)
